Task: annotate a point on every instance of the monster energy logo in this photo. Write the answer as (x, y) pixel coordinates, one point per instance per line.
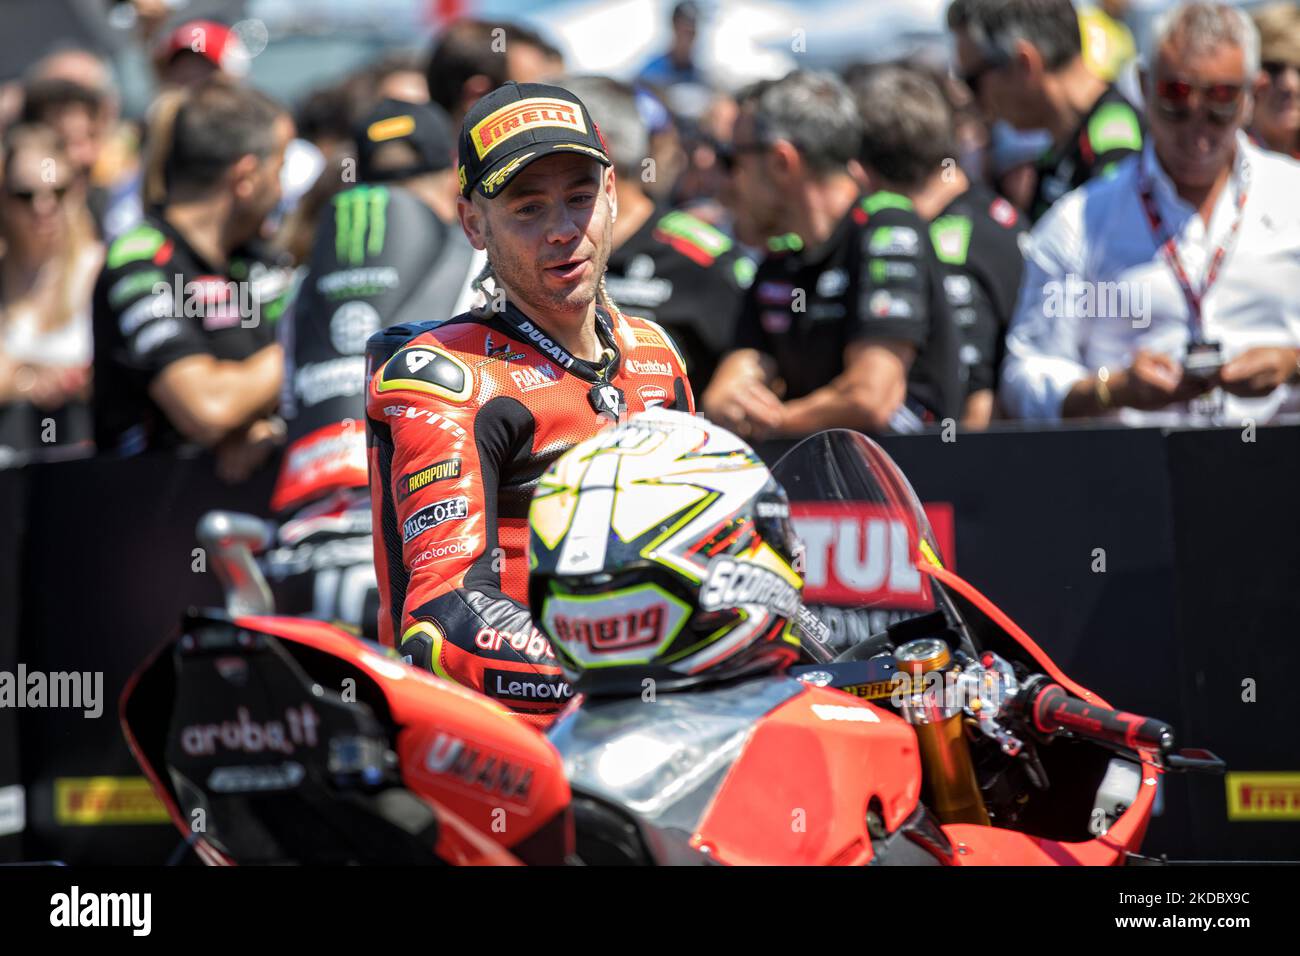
(361, 221)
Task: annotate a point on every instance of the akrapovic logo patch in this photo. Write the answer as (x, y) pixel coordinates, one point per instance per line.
(409, 484)
(431, 516)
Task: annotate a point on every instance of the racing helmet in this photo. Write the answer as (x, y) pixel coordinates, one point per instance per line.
(662, 549)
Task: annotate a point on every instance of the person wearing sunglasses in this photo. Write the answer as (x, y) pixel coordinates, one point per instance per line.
(1276, 122)
(845, 324)
(1023, 60)
(47, 269)
(1165, 294)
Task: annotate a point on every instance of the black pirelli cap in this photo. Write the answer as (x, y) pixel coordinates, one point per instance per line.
(519, 123)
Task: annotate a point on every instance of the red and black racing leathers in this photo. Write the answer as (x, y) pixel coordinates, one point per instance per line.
(464, 417)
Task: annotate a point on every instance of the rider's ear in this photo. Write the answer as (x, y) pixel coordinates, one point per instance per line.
(612, 193)
(473, 221)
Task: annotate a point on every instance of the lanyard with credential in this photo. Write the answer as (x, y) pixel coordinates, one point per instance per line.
(606, 398)
(1169, 248)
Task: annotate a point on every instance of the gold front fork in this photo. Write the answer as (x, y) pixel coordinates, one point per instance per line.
(950, 788)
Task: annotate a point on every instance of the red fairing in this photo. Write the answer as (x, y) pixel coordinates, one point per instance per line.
(990, 846)
(798, 793)
(493, 780)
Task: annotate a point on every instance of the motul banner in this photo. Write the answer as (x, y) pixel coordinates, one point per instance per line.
(858, 556)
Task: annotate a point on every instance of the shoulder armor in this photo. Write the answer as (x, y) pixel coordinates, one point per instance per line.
(429, 369)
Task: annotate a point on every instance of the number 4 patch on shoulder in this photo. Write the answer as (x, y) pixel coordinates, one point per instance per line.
(424, 368)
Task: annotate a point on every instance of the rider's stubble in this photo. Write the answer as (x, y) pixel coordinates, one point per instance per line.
(518, 250)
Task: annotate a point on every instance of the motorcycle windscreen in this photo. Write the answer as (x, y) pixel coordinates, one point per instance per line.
(866, 537)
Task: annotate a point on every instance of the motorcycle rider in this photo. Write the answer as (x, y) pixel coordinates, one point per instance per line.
(387, 250)
(466, 415)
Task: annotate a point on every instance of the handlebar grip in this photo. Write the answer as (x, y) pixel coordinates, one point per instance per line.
(1053, 709)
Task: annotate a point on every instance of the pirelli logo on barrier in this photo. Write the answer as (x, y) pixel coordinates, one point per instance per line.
(522, 116)
(106, 801)
(1265, 797)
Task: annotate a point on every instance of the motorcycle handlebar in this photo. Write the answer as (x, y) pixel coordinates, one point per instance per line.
(1051, 709)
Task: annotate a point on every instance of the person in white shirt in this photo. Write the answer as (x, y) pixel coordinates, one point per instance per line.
(48, 262)
(1169, 292)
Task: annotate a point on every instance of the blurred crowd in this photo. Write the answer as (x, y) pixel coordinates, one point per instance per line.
(879, 248)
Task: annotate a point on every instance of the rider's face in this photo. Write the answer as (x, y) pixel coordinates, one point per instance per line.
(548, 233)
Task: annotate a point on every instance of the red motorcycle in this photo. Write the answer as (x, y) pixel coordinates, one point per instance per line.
(947, 737)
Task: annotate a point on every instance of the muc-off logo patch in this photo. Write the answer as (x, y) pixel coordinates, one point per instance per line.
(410, 483)
(431, 516)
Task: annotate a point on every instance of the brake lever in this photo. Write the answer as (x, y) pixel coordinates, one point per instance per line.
(1194, 760)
